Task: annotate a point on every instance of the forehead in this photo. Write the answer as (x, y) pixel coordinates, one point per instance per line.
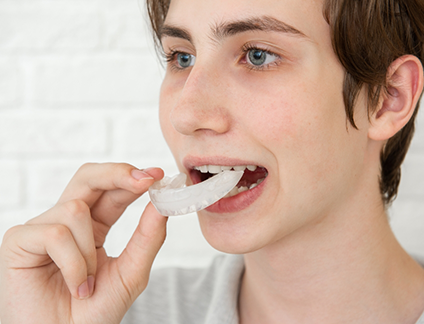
(203, 17)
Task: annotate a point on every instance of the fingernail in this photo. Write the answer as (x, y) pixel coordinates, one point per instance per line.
(138, 175)
(90, 282)
(83, 290)
(148, 170)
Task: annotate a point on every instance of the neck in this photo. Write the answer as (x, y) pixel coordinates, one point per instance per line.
(343, 269)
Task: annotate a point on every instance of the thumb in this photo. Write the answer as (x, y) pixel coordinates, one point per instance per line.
(136, 260)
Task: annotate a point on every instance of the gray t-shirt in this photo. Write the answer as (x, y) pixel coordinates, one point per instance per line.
(194, 296)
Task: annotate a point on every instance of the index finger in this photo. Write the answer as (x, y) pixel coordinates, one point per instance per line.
(93, 179)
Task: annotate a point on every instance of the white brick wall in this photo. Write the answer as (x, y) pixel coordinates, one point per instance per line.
(111, 79)
(10, 81)
(79, 82)
(11, 185)
(64, 133)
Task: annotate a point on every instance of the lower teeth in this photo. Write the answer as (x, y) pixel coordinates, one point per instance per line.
(236, 190)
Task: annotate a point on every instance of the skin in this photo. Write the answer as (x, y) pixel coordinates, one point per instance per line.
(317, 244)
(293, 122)
(44, 262)
(317, 239)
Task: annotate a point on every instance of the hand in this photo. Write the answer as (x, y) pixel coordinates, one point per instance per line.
(54, 268)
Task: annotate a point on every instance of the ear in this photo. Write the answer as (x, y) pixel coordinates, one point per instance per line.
(405, 84)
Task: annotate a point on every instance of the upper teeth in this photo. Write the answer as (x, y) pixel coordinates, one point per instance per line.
(214, 169)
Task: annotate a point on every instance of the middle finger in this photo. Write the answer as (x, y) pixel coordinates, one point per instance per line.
(75, 215)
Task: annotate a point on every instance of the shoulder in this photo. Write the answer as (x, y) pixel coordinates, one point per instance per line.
(180, 295)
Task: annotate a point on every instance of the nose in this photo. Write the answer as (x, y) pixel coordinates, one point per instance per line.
(202, 105)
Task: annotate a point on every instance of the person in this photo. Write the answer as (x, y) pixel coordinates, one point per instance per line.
(318, 99)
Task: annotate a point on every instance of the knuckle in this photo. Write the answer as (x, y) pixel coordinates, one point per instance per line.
(86, 166)
(123, 165)
(58, 232)
(11, 232)
(123, 168)
(76, 208)
(120, 171)
(84, 171)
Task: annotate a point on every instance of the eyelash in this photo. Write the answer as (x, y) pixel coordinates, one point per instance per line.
(170, 58)
(250, 47)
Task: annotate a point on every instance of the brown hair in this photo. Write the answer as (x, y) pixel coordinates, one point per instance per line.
(367, 36)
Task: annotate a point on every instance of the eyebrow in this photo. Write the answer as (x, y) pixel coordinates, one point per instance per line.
(227, 29)
(265, 23)
(174, 31)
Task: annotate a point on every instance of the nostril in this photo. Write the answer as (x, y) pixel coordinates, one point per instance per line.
(183, 121)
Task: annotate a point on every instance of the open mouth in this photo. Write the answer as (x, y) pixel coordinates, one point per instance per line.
(253, 175)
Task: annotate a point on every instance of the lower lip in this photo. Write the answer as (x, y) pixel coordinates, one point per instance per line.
(238, 202)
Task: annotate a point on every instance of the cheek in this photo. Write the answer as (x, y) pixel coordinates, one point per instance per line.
(303, 124)
(283, 115)
(297, 104)
(166, 101)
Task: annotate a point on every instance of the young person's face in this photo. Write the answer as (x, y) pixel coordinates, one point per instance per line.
(258, 83)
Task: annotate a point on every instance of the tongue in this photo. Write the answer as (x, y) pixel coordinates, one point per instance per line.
(250, 177)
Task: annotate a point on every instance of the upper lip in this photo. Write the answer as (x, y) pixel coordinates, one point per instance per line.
(189, 162)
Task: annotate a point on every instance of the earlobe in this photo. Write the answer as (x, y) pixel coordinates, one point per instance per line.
(405, 84)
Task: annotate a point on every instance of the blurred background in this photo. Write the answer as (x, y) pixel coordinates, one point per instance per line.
(79, 82)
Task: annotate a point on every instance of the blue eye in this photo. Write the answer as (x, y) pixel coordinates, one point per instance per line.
(257, 57)
(185, 60)
(260, 57)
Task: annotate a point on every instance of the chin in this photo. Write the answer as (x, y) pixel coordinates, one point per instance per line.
(228, 234)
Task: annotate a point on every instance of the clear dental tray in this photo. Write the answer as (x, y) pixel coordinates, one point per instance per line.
(172, 197)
